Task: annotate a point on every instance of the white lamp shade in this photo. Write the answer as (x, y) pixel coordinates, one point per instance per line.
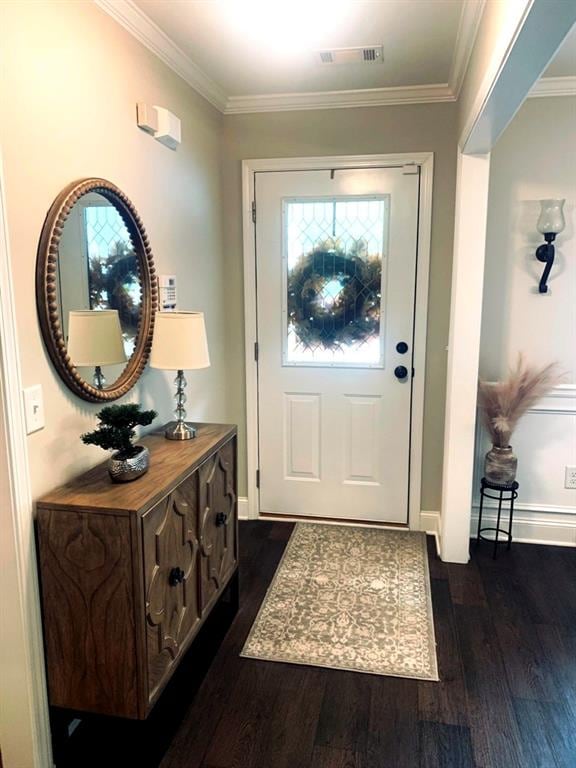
(551, 217)
(179, 341)
(95, 337)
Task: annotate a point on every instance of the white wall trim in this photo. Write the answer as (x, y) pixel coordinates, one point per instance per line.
(531, 526)
(554, 86)
(463, 353)
(362, 97)
(249, 168)
(534, 30)
(27, 601)
(430, 522)
(538, 509)
(243, 508)
(140, 26)
(468, 26)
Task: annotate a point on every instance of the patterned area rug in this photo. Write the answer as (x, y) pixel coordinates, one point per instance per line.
(350, 598)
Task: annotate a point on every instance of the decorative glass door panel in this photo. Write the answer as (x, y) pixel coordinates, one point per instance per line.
(334, 256)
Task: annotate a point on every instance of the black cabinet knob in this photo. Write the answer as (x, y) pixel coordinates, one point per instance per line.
(401, 372)
(221, 518)
(176, 576)
(402, 347)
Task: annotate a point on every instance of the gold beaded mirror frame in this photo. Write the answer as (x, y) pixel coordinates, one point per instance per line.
(91, 234)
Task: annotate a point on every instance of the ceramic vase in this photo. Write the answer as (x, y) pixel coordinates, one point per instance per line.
(500, 465)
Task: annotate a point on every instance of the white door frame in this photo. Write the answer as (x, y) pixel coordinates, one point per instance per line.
(249, 167)
(25, 729)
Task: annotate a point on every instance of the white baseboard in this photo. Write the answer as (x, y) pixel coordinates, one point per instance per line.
(243, 508)
(430, 523)
(532, 527)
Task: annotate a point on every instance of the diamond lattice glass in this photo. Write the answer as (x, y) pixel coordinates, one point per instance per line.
(113, 269)
(333, 280)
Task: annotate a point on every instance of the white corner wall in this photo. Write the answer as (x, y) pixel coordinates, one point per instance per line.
(534, 159)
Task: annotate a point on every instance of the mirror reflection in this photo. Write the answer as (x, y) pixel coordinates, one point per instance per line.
(99, 289)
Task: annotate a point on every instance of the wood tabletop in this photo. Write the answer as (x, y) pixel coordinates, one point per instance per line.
(170, 462)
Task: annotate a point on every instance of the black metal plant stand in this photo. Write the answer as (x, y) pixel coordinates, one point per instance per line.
(507, 493)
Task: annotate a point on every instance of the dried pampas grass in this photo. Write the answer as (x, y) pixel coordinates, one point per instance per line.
(503, 403)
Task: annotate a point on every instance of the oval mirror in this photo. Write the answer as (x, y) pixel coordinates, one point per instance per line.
(96, 290)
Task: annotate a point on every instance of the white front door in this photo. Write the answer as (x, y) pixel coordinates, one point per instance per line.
(336, 272)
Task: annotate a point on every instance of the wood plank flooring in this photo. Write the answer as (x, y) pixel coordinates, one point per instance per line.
(506, 634)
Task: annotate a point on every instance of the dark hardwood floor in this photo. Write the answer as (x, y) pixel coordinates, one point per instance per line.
(506, 635)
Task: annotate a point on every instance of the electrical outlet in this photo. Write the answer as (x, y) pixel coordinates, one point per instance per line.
(570, 477)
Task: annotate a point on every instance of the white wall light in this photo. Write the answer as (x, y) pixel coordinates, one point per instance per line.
(160, 123)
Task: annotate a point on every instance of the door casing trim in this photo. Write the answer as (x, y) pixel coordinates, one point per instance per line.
(249, 168)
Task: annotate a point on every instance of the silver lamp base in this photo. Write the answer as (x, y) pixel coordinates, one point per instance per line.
(179, 430)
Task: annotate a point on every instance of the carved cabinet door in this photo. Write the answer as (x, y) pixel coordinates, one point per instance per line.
(217, 534)
(170, 542)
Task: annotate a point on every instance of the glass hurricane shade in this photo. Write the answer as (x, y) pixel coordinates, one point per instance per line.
(95, 337)
(179, 342)
(551, 219)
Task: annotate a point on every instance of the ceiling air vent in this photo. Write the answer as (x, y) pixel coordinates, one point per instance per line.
(370, 54)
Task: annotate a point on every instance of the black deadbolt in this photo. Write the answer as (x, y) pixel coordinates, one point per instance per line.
(400, 371)
(221, 518)
(176, 576)
(402, 347)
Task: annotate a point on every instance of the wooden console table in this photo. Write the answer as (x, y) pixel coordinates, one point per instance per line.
(130, 572)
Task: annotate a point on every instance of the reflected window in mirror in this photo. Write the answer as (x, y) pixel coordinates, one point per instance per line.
(98, 268)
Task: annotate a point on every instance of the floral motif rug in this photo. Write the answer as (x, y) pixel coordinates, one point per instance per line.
(350, 598)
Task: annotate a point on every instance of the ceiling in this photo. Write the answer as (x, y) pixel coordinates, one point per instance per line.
(262, 55)
(564, 63)
(254, 47)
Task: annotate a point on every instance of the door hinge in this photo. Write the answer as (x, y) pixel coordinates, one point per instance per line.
(257, 478)
(254, 211)
(256, 351)
(410, 169)
(413, 372)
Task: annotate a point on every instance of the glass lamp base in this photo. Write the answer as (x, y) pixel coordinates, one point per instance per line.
(179, 430)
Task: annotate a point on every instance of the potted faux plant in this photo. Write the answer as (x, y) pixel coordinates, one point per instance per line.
(115, 432)
(502, 403)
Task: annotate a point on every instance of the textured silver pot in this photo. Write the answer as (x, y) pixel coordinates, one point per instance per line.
(125, 470)
(500, 465)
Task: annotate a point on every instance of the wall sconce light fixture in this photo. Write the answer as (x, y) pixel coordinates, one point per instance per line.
(550, 223)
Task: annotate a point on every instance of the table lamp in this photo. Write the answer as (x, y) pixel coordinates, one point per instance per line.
(179, 344)
(95, 339)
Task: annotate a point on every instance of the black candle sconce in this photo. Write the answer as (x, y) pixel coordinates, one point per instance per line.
(550, 223)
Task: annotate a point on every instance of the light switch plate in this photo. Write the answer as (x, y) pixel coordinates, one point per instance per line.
(570, 477)
(34, 408)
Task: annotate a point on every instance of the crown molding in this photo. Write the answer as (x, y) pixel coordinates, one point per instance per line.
(129, 16)
(365, 97)
(468, 26)
(554, 86)
(140, 26)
